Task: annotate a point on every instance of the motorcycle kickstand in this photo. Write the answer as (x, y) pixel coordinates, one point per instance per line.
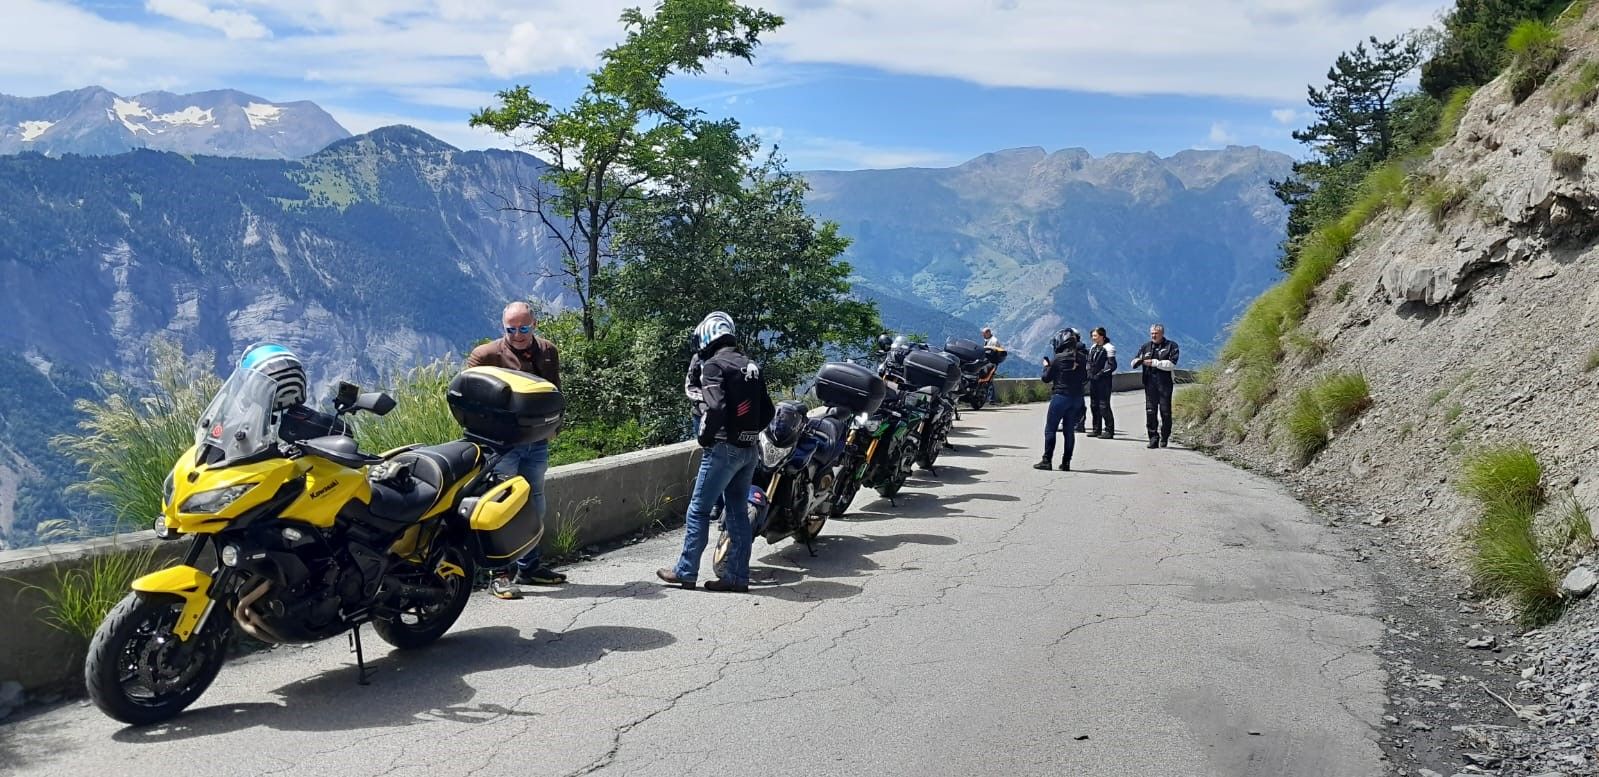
(364, 677)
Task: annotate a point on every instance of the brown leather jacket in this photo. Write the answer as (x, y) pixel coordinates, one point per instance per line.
(541, 360)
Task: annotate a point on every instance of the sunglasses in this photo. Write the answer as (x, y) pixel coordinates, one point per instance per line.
(523, 329)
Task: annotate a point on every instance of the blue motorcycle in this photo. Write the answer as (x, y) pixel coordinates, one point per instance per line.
(790, 496)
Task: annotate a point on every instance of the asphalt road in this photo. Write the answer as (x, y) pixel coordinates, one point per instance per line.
(1154, 613)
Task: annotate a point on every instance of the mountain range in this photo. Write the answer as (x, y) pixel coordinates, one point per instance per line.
(382, 250)
(95, 121)
(1029, 241)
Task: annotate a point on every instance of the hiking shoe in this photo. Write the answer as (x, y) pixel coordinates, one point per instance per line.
(668, 576)
(1163, 442)
(503, 587)
(1066, 465)
(540, 576)
(1043, 465)
(1154, 443)
(727, 586)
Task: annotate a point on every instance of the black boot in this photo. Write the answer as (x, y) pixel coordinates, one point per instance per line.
(1154, 442)
(1164, 440)
(1065, 465)
(1043, 464)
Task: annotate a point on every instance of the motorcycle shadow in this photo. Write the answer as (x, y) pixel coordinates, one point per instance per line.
(841, 556)
(920, 504)
(948, 474)
(408, 687)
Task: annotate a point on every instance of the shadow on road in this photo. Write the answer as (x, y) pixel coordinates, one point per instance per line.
(920, 504)
(407, 687)
(1104, 472)
(839, 556)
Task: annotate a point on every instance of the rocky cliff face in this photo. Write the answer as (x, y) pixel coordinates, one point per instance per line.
(1030, 241)
(1474, 315)
(94, 121)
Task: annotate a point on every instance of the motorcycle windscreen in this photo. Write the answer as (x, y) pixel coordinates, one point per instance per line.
(238, 422)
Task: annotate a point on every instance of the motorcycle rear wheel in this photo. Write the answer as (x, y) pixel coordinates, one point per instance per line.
(138, 672)
(417, 626)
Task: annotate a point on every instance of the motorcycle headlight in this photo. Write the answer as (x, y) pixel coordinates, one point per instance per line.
(862, 419)
(773, 454)
(166, 491)
(214, 501)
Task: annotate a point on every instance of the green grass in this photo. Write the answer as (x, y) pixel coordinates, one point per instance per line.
(1457, 433)
(130, 438)
(567, 523)
(1405, 430)
(1567, 163)
(1506, 484)
(1437, 396)
(1534, 53)
(1454, 110)
(1305, 425)
(1503, 476)
(1579, 92)
(1574, 529)
(421, 411)
(1307, 346)
(78, 597)
(1562, 119)
(1343, 396)
(1342, 293)
(1453, 413)
(1194, 403)
(1591, 361)
(1440, 200)
(1508, 561)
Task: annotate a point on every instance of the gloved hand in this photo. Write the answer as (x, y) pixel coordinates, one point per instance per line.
(707, 440)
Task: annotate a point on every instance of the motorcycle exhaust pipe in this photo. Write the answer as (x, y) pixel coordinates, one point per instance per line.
(249, 621)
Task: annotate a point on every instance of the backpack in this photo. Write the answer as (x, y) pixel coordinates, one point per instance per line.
(749, 406)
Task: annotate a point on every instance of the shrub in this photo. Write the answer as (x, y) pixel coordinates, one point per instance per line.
(1579, 92)
(1501, 477)
(1454, 110)
(78, 597)
(1567, 163)
(1307, 345)
(421, 411)
(1343, 396)
(1305, 425)
(1454, 412)
(1591, 362)
(1574, 529)
(1509, 562)
(1534, 53)
(1342, 293)
(1440, 200)
(130, 438)
(1194, 403)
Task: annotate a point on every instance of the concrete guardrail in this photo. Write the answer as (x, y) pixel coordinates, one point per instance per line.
(1021, 390)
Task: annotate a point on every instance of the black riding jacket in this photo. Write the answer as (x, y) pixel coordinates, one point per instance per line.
(1068, 371)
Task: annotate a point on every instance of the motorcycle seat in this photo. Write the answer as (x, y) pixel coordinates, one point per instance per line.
(830, 430)
(434, 470)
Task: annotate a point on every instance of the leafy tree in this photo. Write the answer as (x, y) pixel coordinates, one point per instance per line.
(623, 136)
(1472, 51)
(1354, 110)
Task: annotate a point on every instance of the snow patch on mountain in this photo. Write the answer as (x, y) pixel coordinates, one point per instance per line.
(262, 113)
(124, 110)
(193, 114)
(33, 129)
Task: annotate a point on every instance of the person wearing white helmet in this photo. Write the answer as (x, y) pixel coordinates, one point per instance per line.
(736, 407)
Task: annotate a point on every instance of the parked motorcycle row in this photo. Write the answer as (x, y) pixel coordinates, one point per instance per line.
(295, 535)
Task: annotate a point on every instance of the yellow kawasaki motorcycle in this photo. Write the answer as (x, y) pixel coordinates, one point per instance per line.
(299, 538)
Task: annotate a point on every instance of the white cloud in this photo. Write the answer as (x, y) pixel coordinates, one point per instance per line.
(237, 25)
(812, 152)
(1221, 134)
(1262, 49)
(533, 49)
(1285, 116)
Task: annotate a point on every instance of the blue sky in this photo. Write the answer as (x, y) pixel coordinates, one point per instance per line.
(845, 84)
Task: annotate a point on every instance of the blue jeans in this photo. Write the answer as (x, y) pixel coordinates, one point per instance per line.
(725, 474)
(1064, 412)
(531, 462)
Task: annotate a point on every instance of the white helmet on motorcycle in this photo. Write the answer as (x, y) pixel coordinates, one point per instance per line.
(281, 365)
(714, 328)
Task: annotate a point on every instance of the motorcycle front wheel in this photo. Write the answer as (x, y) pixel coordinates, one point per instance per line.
(902, 468)
(139, 672)
(421, 624)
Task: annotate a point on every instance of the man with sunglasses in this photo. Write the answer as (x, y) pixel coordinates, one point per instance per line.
(522, 349)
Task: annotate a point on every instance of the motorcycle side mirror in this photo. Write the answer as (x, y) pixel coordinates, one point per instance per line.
(375, 402)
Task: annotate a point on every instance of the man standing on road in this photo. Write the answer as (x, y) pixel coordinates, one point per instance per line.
(1158, 357)
(990, 341)
(1066, 373)
(523, 350)
(1101, 373)
(737, 407)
